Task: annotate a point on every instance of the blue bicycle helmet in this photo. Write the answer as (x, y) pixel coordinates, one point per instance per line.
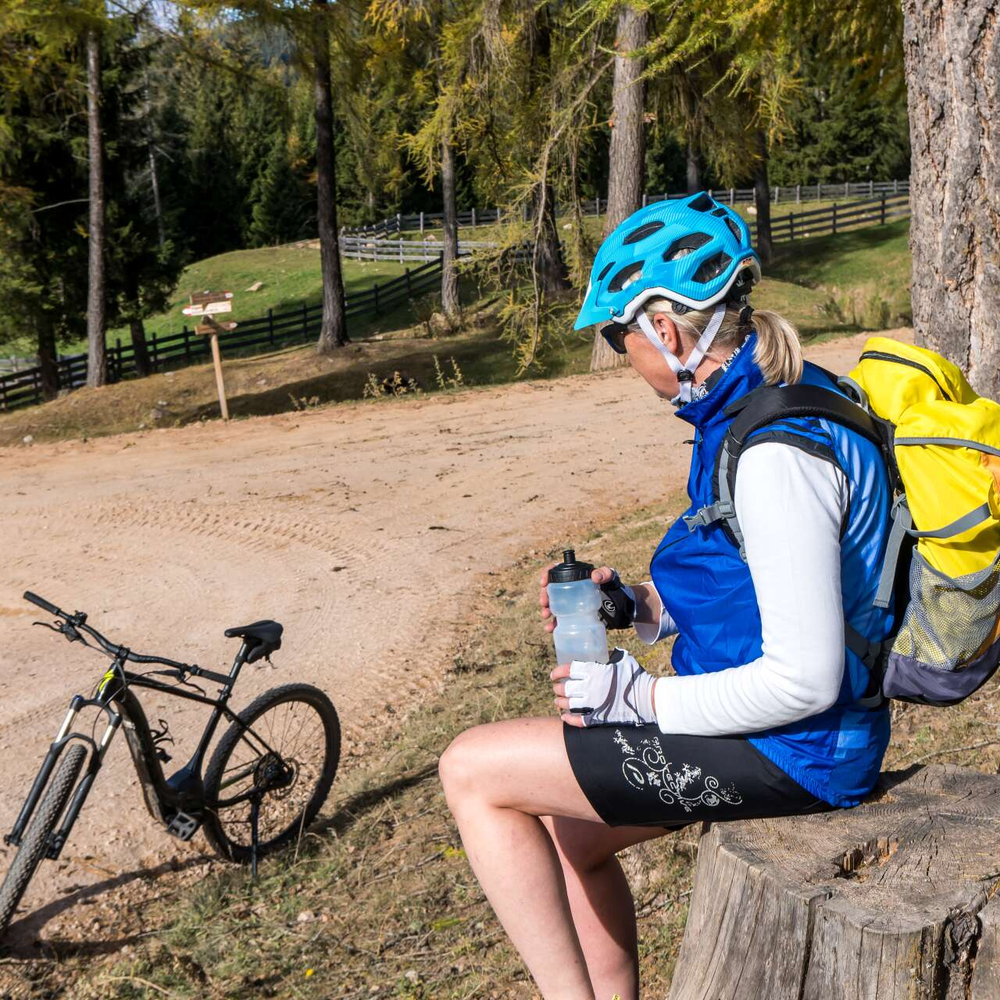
(692, 251)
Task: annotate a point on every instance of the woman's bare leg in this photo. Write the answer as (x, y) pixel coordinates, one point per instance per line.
(499, 779)
(600, 899)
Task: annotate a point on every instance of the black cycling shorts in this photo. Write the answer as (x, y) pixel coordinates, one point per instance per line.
(637, 776)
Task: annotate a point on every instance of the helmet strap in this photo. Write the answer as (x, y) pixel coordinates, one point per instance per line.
(683, 370)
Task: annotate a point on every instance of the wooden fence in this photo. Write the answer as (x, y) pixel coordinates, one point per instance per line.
(24, 388)
(422, 221)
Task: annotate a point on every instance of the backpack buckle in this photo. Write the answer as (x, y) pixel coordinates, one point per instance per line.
(721, 510)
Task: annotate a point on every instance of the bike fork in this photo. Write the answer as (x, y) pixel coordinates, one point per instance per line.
(45, 772)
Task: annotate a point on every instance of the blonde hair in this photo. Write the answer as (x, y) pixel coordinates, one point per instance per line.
(778, 353)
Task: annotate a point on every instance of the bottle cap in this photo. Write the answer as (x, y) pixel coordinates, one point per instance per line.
(569, 569)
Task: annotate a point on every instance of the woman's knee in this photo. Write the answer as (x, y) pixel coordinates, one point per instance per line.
(460, 766)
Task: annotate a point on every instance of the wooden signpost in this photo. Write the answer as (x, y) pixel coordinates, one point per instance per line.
(208, 305)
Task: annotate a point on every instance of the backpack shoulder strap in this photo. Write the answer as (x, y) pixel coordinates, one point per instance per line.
(754, 411)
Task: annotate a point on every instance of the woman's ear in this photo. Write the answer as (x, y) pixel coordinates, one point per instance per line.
(668, 332)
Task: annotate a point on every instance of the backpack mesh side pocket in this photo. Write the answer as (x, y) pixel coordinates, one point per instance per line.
(949, 642)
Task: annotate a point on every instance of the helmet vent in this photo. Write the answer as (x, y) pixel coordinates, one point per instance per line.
(683, 246)
(642, 232)
(626, 276)
(734, 229)
(720, 212)
(702, 203)
(604, 271)
(712, 267)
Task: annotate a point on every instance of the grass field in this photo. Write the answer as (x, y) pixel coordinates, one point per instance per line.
(824, 286)
(289, 275)
(379, 901)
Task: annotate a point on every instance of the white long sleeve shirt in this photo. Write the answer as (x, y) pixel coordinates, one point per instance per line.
(791, 506)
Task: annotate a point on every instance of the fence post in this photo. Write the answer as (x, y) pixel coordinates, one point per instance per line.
(597, 205)
(270, 326)
(834, 216)
(883, 209)
(871, 187)
(645, 199)
(798, 194)
(777, 194)
(819, 192)
(473, 216)
(400, 251)
(847, 189)
(709, 194)
(399, 222)
(732, 197)
(895, 186)
(421, 223)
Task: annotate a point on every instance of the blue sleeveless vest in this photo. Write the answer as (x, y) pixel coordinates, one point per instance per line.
(707, 589)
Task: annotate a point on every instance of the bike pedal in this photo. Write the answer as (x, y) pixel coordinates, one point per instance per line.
(182, 826)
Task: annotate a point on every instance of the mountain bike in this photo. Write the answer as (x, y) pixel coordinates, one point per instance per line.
(265, 782)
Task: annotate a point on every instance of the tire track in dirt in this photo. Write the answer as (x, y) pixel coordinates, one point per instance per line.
(363, 528)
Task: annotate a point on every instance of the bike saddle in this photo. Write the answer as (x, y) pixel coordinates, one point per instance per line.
(263, 638)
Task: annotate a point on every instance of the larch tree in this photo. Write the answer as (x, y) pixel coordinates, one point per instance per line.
(97, 365)
(627, 153)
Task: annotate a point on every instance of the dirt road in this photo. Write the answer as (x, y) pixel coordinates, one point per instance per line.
(362, 528)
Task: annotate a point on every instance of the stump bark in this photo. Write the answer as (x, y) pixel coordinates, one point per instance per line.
(894, 899)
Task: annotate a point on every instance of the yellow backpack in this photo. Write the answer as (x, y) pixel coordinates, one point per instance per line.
(941, 445)
(945, 442)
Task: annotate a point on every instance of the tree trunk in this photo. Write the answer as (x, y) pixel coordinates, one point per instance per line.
(154, 177)
(953, 93)
(762, 200)
(333, 331)
(693, 167)
(627, 156)
(97, 366)
(892, 899)
(553, 276)
(141, 351)
(450, 304)
(47, 358)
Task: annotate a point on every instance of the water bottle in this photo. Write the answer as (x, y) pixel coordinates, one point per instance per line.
(574, 599)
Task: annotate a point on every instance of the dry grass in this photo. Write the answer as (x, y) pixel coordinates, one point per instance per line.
(379, 901)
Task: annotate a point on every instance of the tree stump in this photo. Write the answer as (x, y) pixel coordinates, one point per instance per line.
(893, 899)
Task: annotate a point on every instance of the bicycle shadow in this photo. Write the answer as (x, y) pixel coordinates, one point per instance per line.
(23, 941)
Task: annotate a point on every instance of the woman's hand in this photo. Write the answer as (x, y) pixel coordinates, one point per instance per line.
(599, 694)
(602, 575)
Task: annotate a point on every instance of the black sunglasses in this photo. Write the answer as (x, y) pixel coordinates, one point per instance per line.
(614, 334)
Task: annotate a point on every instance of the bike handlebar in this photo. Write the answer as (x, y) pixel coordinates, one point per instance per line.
(79, 621)
(43, 604)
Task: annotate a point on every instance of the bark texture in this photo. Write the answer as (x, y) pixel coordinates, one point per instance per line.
(47, 357)
(892, 900)
(333, 331)
(141, 351)
(952, 54)
(551, 268)
(627, 156)
(450, 304)
(762, 201)
(693, 167)
(97, 364)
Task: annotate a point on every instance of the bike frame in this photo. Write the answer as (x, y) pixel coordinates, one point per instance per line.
(177, 801)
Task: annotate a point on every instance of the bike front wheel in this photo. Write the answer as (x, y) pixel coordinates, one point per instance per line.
(35, 841)
(284, 752)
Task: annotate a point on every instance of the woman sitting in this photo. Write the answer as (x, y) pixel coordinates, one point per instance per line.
(763, 717)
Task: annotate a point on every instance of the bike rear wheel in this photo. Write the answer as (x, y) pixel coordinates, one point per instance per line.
(35, 841)
(292, 774)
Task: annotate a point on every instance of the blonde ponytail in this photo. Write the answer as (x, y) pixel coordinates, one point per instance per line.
(778, 353)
